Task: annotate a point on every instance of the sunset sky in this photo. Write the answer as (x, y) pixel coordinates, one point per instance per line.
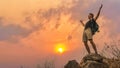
(34, 31)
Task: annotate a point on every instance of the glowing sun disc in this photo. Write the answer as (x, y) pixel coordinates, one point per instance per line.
(60, 48)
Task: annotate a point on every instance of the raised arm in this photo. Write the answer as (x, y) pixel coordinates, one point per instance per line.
(82, 23)
(98, 12)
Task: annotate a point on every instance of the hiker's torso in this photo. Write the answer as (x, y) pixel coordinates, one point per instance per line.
(89, 24)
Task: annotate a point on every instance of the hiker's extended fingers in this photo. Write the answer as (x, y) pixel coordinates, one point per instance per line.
(81, 21)
(101, 6)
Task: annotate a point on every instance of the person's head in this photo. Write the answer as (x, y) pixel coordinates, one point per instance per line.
(90, 16)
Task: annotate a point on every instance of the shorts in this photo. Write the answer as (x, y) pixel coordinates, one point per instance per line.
(87, 35)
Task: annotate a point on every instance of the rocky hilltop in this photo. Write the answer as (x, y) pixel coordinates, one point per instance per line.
(94, 61)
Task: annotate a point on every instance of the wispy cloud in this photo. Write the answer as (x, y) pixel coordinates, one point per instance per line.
(38, 25)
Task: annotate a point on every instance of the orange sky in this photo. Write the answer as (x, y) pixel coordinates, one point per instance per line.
(31, 29)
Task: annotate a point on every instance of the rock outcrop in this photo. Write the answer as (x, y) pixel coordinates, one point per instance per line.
(72, 64)
(113, 63)
(93, 61)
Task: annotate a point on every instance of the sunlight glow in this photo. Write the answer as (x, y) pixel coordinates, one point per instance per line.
(60, 48)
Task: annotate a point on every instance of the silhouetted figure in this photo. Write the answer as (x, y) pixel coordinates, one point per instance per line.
(88, 31)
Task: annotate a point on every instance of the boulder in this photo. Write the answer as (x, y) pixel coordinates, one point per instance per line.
(93, 61)
(72, 64)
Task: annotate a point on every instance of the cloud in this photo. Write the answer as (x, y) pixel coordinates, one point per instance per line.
(11, 33)
(37, 31)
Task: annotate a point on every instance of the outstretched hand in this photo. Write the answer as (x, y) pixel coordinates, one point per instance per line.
(82, 23)
(98, 12)
(101, 6)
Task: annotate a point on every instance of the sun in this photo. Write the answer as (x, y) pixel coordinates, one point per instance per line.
(60, 48)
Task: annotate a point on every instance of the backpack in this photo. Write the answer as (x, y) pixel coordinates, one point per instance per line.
(94, 27)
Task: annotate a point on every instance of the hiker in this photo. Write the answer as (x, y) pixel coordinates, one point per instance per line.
(89, 30)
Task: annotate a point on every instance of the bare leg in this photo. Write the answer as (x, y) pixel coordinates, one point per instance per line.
(93, 45)
(87, 47)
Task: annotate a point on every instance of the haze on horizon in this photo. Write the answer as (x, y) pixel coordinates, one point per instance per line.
(31, 29)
